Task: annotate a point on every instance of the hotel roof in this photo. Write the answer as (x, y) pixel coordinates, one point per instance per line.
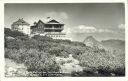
(20, 22)
(53, 22)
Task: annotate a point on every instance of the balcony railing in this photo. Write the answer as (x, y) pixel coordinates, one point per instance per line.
(54, 28)
(53, 32)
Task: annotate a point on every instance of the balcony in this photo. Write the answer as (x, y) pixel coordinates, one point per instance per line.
(54, 28)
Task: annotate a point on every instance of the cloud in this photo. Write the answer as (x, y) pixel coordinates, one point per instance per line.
(105, 31)
(121, 26)
(57, 15)
(87, 29)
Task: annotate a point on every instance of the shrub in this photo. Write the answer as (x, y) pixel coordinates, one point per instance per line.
(35, 61)
(85, 72)
(104, 62)
(55, 51)
(42, 38)
(38, 54)
(9, 32)
(120, 71)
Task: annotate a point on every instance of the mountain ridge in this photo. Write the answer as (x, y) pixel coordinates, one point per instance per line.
(110, 44)
(92, 42)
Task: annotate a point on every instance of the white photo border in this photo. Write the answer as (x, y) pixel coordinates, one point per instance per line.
(2, 62)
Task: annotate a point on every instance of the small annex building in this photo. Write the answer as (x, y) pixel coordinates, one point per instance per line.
(21, 26)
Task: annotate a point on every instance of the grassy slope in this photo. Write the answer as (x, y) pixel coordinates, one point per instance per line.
(38, 53)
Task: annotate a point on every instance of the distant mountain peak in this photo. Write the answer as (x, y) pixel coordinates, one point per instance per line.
(92, 42)
(90, 38)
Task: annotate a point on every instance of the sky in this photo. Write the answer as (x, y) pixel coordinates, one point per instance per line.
(101, 20)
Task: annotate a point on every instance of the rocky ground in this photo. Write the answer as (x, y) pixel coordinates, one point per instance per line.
(68, 65)
(13, 69)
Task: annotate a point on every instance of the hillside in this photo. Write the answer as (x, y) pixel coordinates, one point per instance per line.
(39, 54)
(92, 42)
(111, 44)
(114, 44)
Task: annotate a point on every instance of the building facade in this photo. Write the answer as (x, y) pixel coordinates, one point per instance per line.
(51, 29)
(21, 26)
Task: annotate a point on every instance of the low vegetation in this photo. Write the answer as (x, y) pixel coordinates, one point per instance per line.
(38, 53)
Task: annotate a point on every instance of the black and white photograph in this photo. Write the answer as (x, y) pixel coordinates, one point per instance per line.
(64, 39)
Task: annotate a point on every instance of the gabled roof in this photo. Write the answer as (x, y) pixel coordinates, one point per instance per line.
(41, 21)
(20, 22)
(37, 23)
(53, 22)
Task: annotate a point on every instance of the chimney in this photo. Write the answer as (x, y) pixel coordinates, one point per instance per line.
(48, 19)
